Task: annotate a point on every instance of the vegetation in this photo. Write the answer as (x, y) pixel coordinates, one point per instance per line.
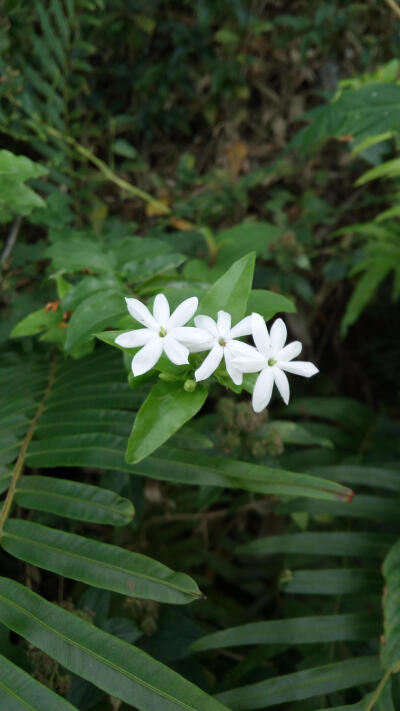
(165, 546)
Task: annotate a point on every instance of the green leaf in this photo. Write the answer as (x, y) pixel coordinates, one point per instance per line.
(19, 168)
(99, 310)
(165, 410)
(304, 684)
(390, 648)
(268, 304)
(388, 169)
(98, 564)
(20, 692)
(238, 241)
(73, 254)
(383, 703)
(371, 507)
(180, 467)
(231, 291)
(364, 545)
(123, 148)
(72, 499)
(365, 289)
(116, 667)
(297, 630)
(335, 581)
(36, 322)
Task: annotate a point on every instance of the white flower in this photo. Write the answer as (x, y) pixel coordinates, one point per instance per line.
(272, 358)
(222, 344)
(162, 332)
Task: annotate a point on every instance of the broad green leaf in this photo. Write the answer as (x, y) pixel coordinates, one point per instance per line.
(231, 291)
(335, 581)
(268, 304)
(181, 467)
(304, 684)
(341, 543)
(72, 499)
(376, 477)
(297, 630)
(20, 692)
(120, 669)
(98, 564)
(165, 410)
(104, 308)
(75, 254)
(390, 647)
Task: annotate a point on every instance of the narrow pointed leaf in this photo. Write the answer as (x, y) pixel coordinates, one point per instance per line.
(165, 410)
(73, 500)
(116, 667)
(181, 467)
(20, 692)
(297, 630)
(336, 581)
(304, 684)
(341, 543)
(98, 564)
(390, 647)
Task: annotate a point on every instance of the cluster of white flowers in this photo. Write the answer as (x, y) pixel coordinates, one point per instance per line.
(164, 332)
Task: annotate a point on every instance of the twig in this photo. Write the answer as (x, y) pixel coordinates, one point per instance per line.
(12, 238)
(393, 5)
(20, 463)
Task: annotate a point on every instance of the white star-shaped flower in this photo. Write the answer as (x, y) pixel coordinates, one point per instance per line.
(163, 332)
(222, 344)
(272, 358)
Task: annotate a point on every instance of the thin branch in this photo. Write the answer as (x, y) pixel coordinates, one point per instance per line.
(393, 5)
(12, 238)
(20, 463)
(378, 690)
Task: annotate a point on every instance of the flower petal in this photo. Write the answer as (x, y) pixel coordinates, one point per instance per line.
(278, 336)
(210, 363)
(299, 367)
(175, 351)
(161, 310)
(263, 390)
(141, 313)
(281, 383)
(147, 357)
(134, 339)
(236, 375)
(292, 350)
(207, 323)
(190, 335)
(242, 328)
(224, 323)
(183, 313)
(260, 334)
(250, 365)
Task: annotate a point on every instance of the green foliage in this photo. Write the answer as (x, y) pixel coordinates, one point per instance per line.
(164, 547)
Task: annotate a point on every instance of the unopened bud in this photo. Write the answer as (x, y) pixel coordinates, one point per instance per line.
(189, 386)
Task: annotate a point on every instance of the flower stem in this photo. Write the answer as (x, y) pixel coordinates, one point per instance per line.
(107, 172)
(20, 463)
(379, 690)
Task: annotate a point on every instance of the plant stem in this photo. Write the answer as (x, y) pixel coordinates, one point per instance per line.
(107, 172)
(379, 690)
(20, 463)
(393, 5)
